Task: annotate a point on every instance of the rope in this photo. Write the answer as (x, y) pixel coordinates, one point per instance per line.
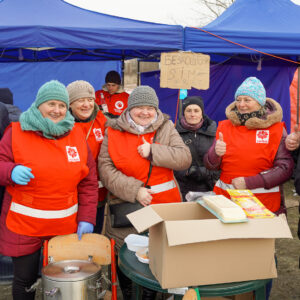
(243, 46)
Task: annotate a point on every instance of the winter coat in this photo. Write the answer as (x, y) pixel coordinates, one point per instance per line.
(14, 112)
(116, 103)
(283, 162)
(168, 151)
(197, 178)
(12, 244)
(4, 122)
(4, 118)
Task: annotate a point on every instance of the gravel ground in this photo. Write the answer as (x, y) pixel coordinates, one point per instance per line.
(285, 287)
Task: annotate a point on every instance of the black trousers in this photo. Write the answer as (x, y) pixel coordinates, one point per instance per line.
(26, 270)
(126, 287)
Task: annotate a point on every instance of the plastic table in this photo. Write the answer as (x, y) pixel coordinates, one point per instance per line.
(141, 276)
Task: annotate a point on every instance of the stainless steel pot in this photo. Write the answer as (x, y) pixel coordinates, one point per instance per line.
(72, 280)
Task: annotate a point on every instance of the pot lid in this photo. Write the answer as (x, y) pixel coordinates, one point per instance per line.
(70, 270)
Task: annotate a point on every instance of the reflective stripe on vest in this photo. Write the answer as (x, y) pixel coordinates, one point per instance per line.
(250, 152)
(224, 186)
(45, 214)
(163, 187)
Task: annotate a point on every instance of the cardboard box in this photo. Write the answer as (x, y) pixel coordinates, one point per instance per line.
(189, 246)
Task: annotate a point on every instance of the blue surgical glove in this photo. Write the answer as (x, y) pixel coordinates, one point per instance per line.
(84, 227)
(21, 175)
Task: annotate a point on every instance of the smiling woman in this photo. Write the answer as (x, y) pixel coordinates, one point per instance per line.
(92, 121)
(138, 155)
(53, 110)
(44, 157)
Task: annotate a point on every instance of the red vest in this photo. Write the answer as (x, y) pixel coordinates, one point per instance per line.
(94, 141)
(116, 103)
(48, 204)
(249, 152)
(122, 148)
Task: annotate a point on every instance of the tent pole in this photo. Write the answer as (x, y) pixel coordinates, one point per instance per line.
(298, 96)
(122, 70)
(138, 72)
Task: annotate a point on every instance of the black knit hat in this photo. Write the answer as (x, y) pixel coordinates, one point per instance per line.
(113, 77)
(6, 96)
(193, 100)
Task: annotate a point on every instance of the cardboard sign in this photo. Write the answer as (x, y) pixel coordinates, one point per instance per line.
(184, 70)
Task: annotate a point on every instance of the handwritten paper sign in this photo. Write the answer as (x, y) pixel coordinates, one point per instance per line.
(184, 70)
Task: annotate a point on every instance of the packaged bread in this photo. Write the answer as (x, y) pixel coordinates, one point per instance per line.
(224, 207)
(250, 204)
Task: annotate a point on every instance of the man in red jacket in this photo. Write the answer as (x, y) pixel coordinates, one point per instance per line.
(112, 99)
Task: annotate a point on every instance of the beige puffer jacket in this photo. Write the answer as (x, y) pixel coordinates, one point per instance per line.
(169, 152)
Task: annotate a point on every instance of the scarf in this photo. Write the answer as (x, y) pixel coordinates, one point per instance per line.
(255, 114)
(32, 120)
(138, 127)
(192, 127)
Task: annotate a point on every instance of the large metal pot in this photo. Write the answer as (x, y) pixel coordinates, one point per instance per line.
(72, 280)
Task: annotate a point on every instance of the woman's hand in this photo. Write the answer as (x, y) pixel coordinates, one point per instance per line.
(239, 183)
(144, 196)
(220, 147)
(21, 175)
(144, 150)
(292, 141)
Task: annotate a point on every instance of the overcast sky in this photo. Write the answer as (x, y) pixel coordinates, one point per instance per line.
(179, 12)
(182, 12)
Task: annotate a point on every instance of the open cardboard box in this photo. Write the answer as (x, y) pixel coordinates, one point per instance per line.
(189, 246)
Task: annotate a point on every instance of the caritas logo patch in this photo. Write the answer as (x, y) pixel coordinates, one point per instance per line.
(119, 104)
(262, 136)
(98, 134)
(72, 154)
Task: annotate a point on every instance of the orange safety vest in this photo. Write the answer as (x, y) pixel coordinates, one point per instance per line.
(94, 134)
(248, 153)
(122, 148)
(116, 103)
(48, 204)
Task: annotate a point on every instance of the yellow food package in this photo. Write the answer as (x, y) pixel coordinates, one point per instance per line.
(250, 204)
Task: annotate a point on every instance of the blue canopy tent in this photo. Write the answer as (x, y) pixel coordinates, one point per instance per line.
(42, 40)
(51, 39)
(269, 26)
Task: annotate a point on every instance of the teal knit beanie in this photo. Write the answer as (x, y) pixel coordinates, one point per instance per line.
(52, 90)
(252, 87)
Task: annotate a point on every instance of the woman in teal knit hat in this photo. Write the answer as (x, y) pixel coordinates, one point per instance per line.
(51, 183)
(250, 148)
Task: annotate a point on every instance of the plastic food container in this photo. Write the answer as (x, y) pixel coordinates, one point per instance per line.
(136, 242)
(142, 256)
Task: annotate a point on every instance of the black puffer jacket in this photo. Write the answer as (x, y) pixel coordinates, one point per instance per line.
(197, 178)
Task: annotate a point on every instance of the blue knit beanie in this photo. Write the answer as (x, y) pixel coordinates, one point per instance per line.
(52, 90)
(252, 87)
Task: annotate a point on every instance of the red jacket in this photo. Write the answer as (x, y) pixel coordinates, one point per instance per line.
(116, 103)
(13, 244)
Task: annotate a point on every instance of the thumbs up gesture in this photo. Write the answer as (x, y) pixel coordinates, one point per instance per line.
(220, 146)
(144, 149)
(292, 141)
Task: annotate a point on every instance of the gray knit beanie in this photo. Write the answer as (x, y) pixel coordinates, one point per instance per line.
(80, 89)
(143, 95)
